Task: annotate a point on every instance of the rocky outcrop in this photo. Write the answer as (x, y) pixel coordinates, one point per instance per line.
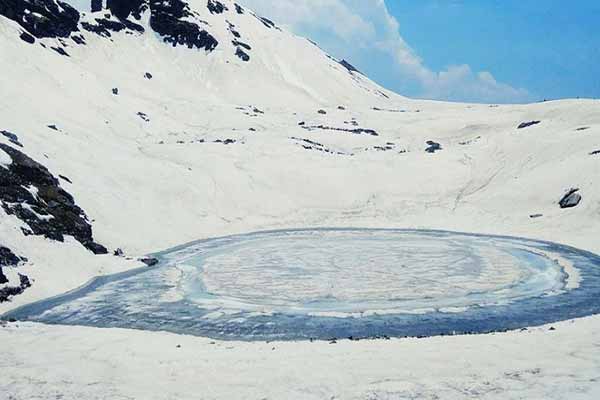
(32, 194)
(170, 20)
(42, 18)
(571, 199)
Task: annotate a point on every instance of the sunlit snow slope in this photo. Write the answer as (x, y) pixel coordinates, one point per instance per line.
(172, 122)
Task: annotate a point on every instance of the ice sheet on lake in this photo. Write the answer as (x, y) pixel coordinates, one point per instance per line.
(344, 282)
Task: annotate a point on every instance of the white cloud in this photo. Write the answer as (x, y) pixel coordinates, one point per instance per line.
(359, 27)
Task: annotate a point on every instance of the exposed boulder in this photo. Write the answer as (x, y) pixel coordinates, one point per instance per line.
(149, 261)
(26, 37)
(433, 146)
(242, 54)
(32, 194)
(42, 18)
(528, 124)
(570, 199)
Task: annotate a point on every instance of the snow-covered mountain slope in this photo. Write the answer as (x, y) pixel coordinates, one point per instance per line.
(167, 122)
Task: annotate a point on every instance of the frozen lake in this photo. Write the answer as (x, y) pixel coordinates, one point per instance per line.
(332, 283)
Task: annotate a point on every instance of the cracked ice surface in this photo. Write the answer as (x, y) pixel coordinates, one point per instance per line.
(342, 282)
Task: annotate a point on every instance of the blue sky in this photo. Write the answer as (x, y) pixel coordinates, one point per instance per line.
(462, 50)
(549, 47)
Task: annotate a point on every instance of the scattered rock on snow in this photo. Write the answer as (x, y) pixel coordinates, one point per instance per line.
(570, 199)
(143, 116)
(115, 91)
(322, 112)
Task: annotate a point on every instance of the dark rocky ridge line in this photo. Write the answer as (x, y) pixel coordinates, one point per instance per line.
(32, 194)
(56, 19)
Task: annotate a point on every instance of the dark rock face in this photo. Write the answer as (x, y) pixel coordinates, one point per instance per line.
(433, 146)
(96, 5)
(166, 19)
(239, 9)
(8, 258)
(528, 124)
(122, 9)
(216, 7)
(31, 193)
(42, 18)
(570, 199)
